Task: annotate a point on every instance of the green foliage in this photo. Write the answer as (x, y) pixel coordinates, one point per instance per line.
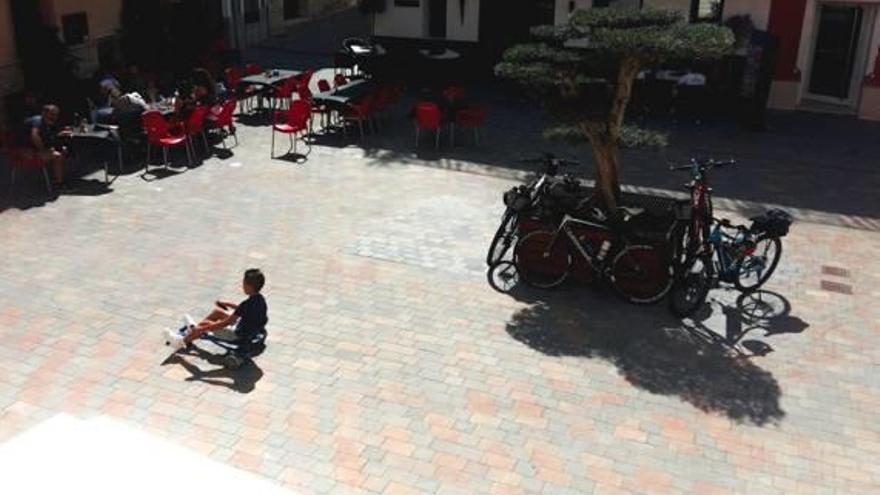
(630, 136)
(574, 69)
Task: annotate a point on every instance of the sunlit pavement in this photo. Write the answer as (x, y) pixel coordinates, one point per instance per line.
(392, 367)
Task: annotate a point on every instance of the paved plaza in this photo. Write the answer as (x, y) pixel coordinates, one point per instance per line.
(393, 368)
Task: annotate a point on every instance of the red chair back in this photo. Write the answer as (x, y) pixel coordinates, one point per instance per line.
(155, 126)
(286, 88)
(195, 123)
(251, 69)
(428, 116)
(454, 93)
(299, 113)
(233, 77)
(224, 118)
(323, 86)
(304, 92)
(473, 116)
(339, 80)
(306, 78)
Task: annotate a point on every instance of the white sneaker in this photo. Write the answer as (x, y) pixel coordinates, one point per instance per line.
(174, 340)
(188, 321)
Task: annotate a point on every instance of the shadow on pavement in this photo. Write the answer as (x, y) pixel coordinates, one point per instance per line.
(652, 350)
(242, 380)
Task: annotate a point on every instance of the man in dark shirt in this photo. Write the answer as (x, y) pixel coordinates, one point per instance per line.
(42, 135)
(249, 316)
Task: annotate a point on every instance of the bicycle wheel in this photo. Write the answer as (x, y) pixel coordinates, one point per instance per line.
(691, 287)
(503, 238)
(641, 274)
(541, 259)
(503, 276)
(756, 267)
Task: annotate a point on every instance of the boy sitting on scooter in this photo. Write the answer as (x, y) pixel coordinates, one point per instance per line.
(248, 317)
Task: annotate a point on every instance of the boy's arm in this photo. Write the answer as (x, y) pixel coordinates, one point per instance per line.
(226, 305)
(229, 320)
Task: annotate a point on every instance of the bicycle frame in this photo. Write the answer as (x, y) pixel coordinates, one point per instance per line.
(719, 239)
(585, 251)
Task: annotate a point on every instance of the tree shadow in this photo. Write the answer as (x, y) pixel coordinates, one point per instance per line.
(652, 350)
(242, 379)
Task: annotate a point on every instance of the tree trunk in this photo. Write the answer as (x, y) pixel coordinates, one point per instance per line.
(605, 139)
(606, 154)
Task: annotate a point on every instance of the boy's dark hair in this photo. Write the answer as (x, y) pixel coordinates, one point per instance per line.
(255, 278)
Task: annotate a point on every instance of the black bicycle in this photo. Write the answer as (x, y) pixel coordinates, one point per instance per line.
(639, 272)
(521, 199)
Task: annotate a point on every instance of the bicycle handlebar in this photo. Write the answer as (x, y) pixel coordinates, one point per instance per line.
(549, 158)
(703, 164)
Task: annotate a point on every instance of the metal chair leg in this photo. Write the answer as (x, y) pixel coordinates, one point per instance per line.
(437, 141)
(272, 153)
(165, 155)
(147, 160)
(452, 135)
(46, 178)
(418, 135)
(12, 172)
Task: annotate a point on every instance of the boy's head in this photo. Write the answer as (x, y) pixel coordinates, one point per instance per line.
(253, 281)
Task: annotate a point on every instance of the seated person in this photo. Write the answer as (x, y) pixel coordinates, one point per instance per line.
(42, 136)
(249, 316)
(204, 87)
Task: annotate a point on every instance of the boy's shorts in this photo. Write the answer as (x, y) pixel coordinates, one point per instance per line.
(227, 334)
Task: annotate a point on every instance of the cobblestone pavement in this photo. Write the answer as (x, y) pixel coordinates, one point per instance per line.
(393, 368)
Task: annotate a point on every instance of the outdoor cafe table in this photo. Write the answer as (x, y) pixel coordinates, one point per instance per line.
(267, 79)
(340, 98)
(92, 134)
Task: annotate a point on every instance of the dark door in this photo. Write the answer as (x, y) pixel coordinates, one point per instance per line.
(834, 56)
(437, 18)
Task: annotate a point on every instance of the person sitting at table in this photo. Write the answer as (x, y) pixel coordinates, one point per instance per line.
(204, 87)
(42, 133)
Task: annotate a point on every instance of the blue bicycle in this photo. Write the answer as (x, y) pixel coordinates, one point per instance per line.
(709, 250)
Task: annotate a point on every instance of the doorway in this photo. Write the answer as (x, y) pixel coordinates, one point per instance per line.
(437, 18)
(838, 54)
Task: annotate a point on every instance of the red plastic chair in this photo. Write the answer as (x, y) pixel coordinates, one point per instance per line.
(222, 117)
(430, 118)
(454, 93)
(324, 86)
(360, 112)
(284, 93)
(473, 117)
(22, 157)
(339, 80)
(291, 122)
(159, 133)
(195, 125)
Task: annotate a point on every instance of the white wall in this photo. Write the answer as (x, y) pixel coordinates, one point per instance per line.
(401, 22)
(562, 10)
(455, 29)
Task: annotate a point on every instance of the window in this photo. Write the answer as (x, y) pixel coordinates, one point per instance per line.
(291, 9)
(75, 28)
(706, 10)
(251, 11)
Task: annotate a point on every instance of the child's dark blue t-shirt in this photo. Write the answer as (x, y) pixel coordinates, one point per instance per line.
(252, 316)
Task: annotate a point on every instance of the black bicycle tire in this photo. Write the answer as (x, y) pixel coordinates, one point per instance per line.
(679, 284)
(628, 296)
(507, 222)
(491, 272)
(523, 273)
(767, 274)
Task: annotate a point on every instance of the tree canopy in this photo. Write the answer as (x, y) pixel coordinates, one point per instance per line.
(583, 72)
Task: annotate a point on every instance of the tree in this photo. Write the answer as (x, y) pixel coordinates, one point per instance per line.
(583, 72)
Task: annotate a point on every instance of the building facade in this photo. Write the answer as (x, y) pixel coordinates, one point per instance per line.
(829, 54)
(90, 28)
